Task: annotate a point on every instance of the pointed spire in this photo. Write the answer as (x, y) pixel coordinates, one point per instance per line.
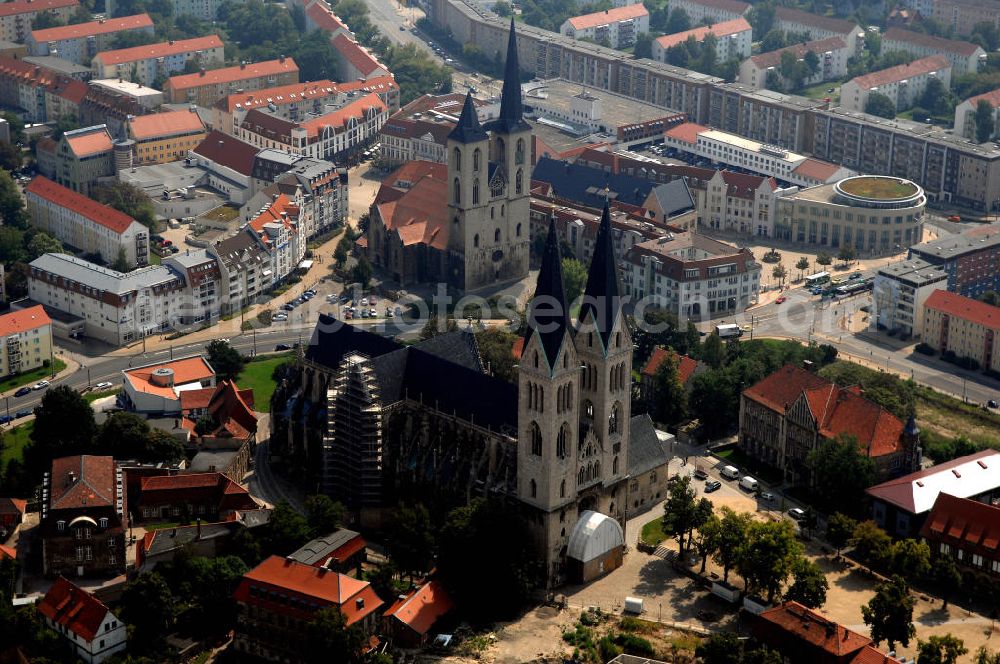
(511, 114)
(602, 298)
(468, 129)
(548, 315)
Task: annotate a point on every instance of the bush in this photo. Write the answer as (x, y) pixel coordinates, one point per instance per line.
(771, 257)
(924, 349)
(635, 645)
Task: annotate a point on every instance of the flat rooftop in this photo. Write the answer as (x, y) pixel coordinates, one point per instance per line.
(561, 141)
(747, 144)
(61, 65)
(126, 87)
(154, 178)
(915, 272)
(950, 246)
(616, 110)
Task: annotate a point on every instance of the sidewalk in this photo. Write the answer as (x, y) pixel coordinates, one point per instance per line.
(72, 366)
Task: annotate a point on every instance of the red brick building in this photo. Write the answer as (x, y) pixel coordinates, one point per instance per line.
(210, 496)
(968, 531)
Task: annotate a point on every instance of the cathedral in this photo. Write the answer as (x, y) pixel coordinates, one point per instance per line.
(471, 228)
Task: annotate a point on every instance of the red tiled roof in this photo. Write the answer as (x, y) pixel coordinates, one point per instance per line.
(26, 6)
(92, 28)
(355, 599)
(939, 44)
(279, 95)
(69, 89)
(816, 169)
(811, 627)
(92, 482)
(835, 25)
(613, 15)
(518, 348)
(745, 185)
(227, 151)
(229, 409)
(358, 57)
(964, 308)
(421, 607)
(25, 71)
(169, 123)
(186, 370)
(685, 368)
(900, 491)
(273, 214)
(191, 399)
(779, 390)
(7, 552)
(184, 481)
(13, 505)
(324, 18)
(338, 119)
(966, 524)
(74, 608)
(687, 132)
(919, 67)
(89, 143)
(232, 74)
(993, 97)
(872, 655)
(818, 46)
(722, 29)
(160, 50)
(22, 320)
(103, 215)
(840, 410)
(418, 216)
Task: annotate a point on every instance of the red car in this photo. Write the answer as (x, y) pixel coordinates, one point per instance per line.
(780, 299)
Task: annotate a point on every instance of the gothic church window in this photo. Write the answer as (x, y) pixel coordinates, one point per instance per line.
(534, 489)
(519, 152)
(456, 159)
(614, 466)
(518, 230)
(458, 191)
(536, 439)
(496, 236)
(518, 186)
(475, 240)
(562, 494)
(536, 359)
(475, 191)
(476, 156)
(613, 418)
(581, 477)
(561, 442)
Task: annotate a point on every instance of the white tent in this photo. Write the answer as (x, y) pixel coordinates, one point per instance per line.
(594, 535)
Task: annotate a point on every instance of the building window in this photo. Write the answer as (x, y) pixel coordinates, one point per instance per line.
(977, 560)
(475, 240)
(534, 489)
(536, 439)
(104, 522)
(518, 232)
(458, 192)
(476, 156)
(496, 236)
(475, 191)
(456, 159)
(518, 182)
(561, 442)
(60, 526)
(562, 490)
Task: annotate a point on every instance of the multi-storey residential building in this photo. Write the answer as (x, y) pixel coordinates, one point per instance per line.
(79, 159)
(25, 341)
(965, 114)
(204, 288)
(210, 496)
(114, 106)
(733, 39)
(164, 137)
(278, 598)
(111, 306)
(965, 531)
(872, 213)
(41, 94)
(833, 54)
(963, 327)
(245, 267)
(146, 64)
(965, 57)
(93, 632)
(961, 15)
(80, 42)
(205, 10)
(800, 22)
(900, 291)
(790, 413)
(228, 162)
(207, 87)
(84, 517)
(17, 17)
(336, 134)
(902, 84)
(692, 276)
(971, 259)
(277, 228)
(324, 187)
(85, 224)
(711, 11)
(617, 27)
(147, 98)
(419, 130)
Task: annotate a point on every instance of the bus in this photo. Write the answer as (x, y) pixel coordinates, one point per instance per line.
(854, 287)
(817, 279)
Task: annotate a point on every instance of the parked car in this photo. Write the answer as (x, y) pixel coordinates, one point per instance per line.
(282, 347)
(992, 403)
(6, 419)
(954, 217)
(21, 392)
(41, 385)
(22, 413)
(373, 301)
(797, 514)
(700, 474)
(373, 313)
(364, 302)
(288, 307)
(104, 385)
(712, 485)
(781, 300)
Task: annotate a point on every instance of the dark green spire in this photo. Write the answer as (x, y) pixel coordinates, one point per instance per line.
(602, 297)
(548, 315)
(511, 113)
(468, 129)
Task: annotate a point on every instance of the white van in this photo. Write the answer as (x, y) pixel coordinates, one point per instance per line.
(730, 472)
(748, 484)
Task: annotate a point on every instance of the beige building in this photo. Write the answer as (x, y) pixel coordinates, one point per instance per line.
(963, 327)
(207, 87)
(902, 84)
(832, 52)
(78, 159)
(965, 57)
(25, 340)
(733, 39)
(711, 11)
(789, 19)
(146, 64)
(875, 214)
(618, 27)
(899, 294)
(164, 137)
(16, 17)
(80, 42)
(965, 113)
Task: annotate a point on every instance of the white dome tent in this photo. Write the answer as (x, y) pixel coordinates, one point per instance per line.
(595, 547)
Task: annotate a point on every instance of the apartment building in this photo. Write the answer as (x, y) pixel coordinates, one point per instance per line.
(79, 159)
(964, 531)
(228, 163)
(964, 327)
(788, 20)
(207, 87)
(277, 228)
(203, 285)
(874, 214)
(319, 16)
(115, 105)
(419, 130)
(105, 304)
(319, 184)
(245, 268)
(962, 15)
(965, 57)
(833, 54)
(903, 84)
(965, 114)
(617, 27)
(164, 137)
(84, 224)
(971, 259)
(17, 17)
(79, 43)
(899, 294)
(711, 11)
(25, 340)
(733, 39)
(147, 98)
(338, 134)
(692, 276)
(356, 62)
(154, 62)
(93, 633)
(41, 94)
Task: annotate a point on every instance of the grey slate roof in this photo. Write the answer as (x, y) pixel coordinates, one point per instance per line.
(674, 197)
(103, 278)
(645, 450)
(315, 550)
(589, 186)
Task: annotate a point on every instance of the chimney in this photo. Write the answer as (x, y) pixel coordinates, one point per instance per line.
(360, 603)
(171, 42)
(201, 72)
(70, 478)
(281, 58)
(243, 65)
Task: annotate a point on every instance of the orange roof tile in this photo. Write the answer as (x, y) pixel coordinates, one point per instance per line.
(783, 387)
(338, 119)
(92, 28)
(232, 74)
(418, 216)
(814, 628)
(100, 214)
(29, 6)
(964, 523)
(816, 169)
(685, 368)
(721, 29)
(23, 320)
(613, 15)
(919, 67)
(421, 607)
(160, 50)
(939, 44)
(90, 143)
(273, 213)
(818, 46)
(191, 399)
(279, 95)
(687, 132)
(74, 608)
(186, 370)
(83, 480)
(7, 552)
(734, 6)
(324, 18)
(13, 506)
(357, 56)
(964, 308)
(993, 97)
(170, 123)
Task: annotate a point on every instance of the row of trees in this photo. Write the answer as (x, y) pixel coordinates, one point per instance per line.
(702, 56)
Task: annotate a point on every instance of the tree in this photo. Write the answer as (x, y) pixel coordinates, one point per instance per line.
(839, 530)
(643, 47)
(910, 558)
(574, 278)
(720, 648)
(713, 351)
(880, 105)
(496, 349)
(824, 259)
(148, 606)
(679, 21)
(123, 435)
(669, 398)
(204, 425)
(729, 536)
(947, 577)
(767, 556)
(64, 124)
(802, 265)
(683, 512)
(871, 544)
(163, 446)
(51, 438)
(503, 8)
(341, 252)
(983, 656)
(43, 243)
(779, 272)
(207, 586)
(762, 655)
(773, 40)
(990, 297)
(945, 649)
(889, 613)
(936, 98)
(226, 360)
(46, 19)
(286, 531)
(12, 211)
(121, 261)
(11, 156)
(985, 121)
(362, 272)
(324, 514)
(713, 395)
(128, 199)
(809, 585)
(327, 638)
(841, 473)
(411, 539)
(12, 245)
(847, 253)
(761, 18)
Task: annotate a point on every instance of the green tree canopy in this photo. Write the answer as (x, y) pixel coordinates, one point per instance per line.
(889, 613)
(683, 512)
(328, 638)
(910, 558)
(362, 272)
(944, 649)
(809, 585)
(729, 536)
(147, 605)
(574, 278)
(871, 544)
(411, 538)
(43, 243)
(51, 438)
(841, 473)
(839, 530)
(880, 105)
(669, 398)
(768, 554)
(225, 360)
(985, 121)
(324, 515)
(496, 348)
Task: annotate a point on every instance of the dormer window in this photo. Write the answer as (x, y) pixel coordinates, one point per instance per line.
(61, 525)
(104, 522)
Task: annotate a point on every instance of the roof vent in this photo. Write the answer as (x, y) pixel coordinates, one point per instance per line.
(920, 484)
(162, 377)
(981, 464)
(956, 473)
(360, 603)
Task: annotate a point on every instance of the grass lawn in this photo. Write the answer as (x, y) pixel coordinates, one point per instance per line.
(94, 396)
(154, 259)
(879, 187)
(221, 213)
(950, 417)
(32, 376)
(14, 442)
(652, 532)
(819, 91)
(257, 376)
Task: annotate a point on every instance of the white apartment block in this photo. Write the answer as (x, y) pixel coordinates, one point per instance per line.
(144, 64)
(245, 268)
(820, 27)
(617, 27)
(733, 40)
(965, 57)
(711, 11)
(277, 228)
(84, 224)
(965, 114)
(16, 17)
(903, 84)
(833, 54)
(79, 43)
(899, 294)
(25, 340)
